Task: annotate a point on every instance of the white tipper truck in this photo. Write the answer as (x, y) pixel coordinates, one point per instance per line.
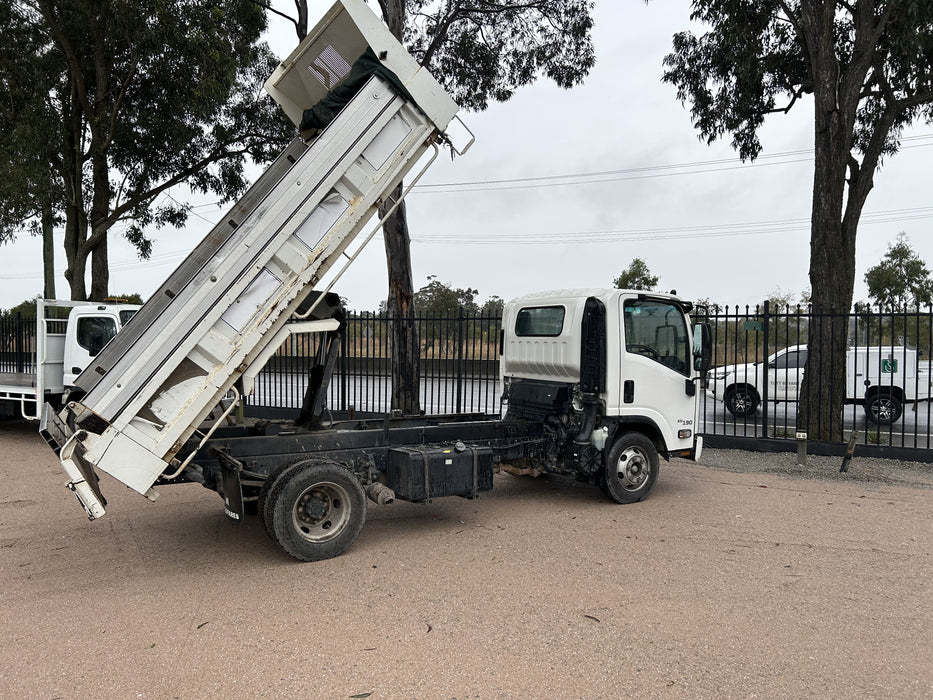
(598, 382)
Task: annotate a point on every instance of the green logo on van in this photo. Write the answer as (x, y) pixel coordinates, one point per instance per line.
(889, 366)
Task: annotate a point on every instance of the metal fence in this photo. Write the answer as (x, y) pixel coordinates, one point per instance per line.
(459, 372)
(459, 367)
(759, 345)
(17, 344)
(760, 353)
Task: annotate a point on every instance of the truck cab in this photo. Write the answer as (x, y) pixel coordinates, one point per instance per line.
(89, 329)
(612, 371)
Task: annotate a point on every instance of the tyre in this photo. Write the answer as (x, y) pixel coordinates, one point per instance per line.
(631, 468)
(317, 510)
(273, 480)
(883, 408)
(741, 400)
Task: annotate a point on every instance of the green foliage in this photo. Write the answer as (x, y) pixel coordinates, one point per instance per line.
(125, 298)
(441, 299)
(493, 307)
(26, 308)
(485, 51)
(901, 278)
(134, 98)
(753, 61)
(636, 276)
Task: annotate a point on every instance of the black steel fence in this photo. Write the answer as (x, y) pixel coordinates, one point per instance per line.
(752, 394)
(17, 344)
(759, 358)
(760, 354)
(459, 367)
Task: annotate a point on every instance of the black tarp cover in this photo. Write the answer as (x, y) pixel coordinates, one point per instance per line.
(321, 114)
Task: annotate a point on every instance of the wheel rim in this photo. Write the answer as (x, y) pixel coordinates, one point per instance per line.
(321, 511)
(882, 410)
(741, 402)
(632, 469)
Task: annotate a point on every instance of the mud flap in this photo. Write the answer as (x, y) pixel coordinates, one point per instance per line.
(233, 494)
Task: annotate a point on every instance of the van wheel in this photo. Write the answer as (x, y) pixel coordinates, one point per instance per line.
(317, 510)
(631, 468)
(883, 408)
(741, 400)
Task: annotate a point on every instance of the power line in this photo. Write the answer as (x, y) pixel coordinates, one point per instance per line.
(640, 173)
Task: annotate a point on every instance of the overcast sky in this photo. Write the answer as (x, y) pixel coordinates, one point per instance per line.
(564, 188)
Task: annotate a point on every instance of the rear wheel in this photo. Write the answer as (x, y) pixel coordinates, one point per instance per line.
(317, 510)
(741, 400)
(631, 468)
(883, 408)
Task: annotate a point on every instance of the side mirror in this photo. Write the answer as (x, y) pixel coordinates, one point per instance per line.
(702, 348)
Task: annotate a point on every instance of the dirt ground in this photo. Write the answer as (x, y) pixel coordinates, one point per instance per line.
(764, 581)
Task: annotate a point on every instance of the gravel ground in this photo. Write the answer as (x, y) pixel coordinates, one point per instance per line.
(867, 471)
(743, 576)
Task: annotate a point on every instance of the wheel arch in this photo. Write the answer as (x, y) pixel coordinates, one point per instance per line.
(642, 425)
(895, 391)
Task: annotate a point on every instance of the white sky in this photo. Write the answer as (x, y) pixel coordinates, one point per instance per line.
(721, 230)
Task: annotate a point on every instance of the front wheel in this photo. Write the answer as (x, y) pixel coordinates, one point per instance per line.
(883, 408)
(631, 468)
(316, 510)
(741, 400)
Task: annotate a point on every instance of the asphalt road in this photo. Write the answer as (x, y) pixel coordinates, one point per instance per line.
(741, 577)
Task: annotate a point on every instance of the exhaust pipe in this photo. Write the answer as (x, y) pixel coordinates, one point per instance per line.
(380, 493)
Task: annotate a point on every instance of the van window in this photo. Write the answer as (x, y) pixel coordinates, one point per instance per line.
(540, 320)
(658, 331)
(126, 315)
(94, 332)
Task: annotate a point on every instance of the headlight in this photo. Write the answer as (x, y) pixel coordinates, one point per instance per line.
(719, 375)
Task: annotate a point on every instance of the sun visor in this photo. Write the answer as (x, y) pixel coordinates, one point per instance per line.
(325, 57)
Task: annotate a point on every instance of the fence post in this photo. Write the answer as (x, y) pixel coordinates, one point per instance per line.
(764, 370)
(342, 365)
(20, 349)
(460, 360)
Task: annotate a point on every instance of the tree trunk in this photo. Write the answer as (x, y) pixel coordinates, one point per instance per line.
(832, 244)
(48, 252)
(100, 271)
(403, 345)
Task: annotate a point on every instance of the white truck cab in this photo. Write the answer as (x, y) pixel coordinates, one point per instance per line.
(612, 364)
(89, 329)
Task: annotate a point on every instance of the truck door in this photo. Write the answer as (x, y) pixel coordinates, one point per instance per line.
(656, 368)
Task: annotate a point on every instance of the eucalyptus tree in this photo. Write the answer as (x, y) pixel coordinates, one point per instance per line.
(865, 67)
(148, 96)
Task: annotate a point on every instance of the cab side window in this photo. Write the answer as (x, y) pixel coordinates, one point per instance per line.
(547, 321)
(95, 332)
